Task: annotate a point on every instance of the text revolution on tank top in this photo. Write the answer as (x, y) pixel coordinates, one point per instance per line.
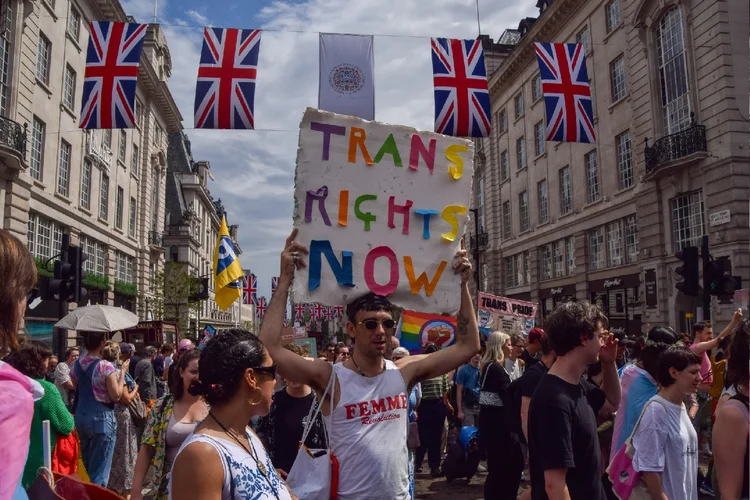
(367, 433)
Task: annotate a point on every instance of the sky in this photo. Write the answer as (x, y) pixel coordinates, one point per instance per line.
(254, 169)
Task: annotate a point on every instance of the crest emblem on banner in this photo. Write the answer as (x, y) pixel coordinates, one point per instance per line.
(346, 78)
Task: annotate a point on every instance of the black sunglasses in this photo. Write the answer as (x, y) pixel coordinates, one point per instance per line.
(372, 324)
(271, 370)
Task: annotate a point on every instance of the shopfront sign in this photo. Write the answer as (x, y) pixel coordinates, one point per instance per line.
(651, 289)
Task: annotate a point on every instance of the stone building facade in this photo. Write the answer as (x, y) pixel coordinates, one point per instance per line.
(193, 219)
(103, 187)
(602, 221)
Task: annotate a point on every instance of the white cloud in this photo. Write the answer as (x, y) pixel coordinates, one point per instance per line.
(254, 170)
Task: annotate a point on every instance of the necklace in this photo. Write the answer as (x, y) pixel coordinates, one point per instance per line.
(359, 370)
(250, 451)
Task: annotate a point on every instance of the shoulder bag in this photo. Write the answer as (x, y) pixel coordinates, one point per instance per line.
(138, 411)
(488, 398)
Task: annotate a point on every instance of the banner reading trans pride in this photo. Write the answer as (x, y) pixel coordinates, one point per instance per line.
(507, 315)
(417, 329)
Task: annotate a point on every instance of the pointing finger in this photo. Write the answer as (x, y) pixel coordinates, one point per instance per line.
(291, 237)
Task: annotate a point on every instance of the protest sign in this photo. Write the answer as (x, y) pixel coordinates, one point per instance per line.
(208, 333)
(502, 313)
(382, 209)
(416, 329)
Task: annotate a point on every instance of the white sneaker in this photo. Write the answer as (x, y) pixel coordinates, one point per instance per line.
(481, 468)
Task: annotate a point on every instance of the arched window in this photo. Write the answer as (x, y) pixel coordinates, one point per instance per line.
(673, 73)
(480, 199)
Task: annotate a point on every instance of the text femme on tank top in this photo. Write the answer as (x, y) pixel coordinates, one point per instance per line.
(374, 411)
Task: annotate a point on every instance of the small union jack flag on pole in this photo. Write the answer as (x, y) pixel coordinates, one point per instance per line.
(329, 313)
(299, 312)
(339, 311)
(462, 101)
(318, 311)
(112, 60)
(261, 308)
(567, 94)
(225, 93)
(274, 284)
(250, 289)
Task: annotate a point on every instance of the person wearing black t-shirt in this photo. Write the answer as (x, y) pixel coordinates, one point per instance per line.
(564, 457)
(533, 351)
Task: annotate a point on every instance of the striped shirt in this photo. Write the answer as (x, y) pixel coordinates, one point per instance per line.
(435, 387)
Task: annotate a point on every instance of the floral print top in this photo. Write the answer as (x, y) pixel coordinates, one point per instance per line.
(155, 435)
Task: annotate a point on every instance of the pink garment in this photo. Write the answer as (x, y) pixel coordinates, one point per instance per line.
(16, 411)
(706, 372)
(629, 373)
(99, 379)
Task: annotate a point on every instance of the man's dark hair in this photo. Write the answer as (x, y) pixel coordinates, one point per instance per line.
(430, 347)
(570, 322)
(340, 346)
(678, 357)
(663, 334)
(369, 302)
(699, 327)
(546, 345)
(92, 340)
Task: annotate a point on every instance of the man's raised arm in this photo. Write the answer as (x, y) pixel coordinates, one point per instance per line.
(291, 366)
(418, 368)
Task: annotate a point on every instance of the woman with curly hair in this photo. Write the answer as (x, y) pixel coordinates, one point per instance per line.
(171, 420)
(224, 458)
(32, 360)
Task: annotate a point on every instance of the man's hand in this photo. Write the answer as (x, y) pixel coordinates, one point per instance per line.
(460, 415)
(462, 265)
(608, 352)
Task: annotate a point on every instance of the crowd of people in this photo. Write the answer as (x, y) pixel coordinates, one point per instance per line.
(250, 416)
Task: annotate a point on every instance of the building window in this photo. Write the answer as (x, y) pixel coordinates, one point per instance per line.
(617, 76)
(44, 49)
(5, 56)
(119, 207)
(74, 23)
(134, 160)
(37, 148)
(480, 201)
(502, 121)
(520, 271)
(541, 191)
(44, 236)
(69, 87)
(132, 217)
(592, 177)
(122, 149)
(536, 88)
(107, 138)
(518, 105)
(583, 37)
(88, 246)
(624, 161)
(504, 166)
(596, 249)
(521, 153)
(104, 197)
(558, 258)
(101, 252)
(570, 252)
(86, 185)
(510, 271)
(670, 41)
(63, 172)
(506, 220)
(546, 262)
(687, 220)
(614, 244)
(631, 239)
(139, 114)
(527, 267)
(539, 138)
(612, 15)
(566, 200)
(523, 210)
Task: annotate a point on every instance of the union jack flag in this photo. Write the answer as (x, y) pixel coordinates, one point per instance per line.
(462, 101)
(318, 311)
(112, 59)
(250, 289)
(261, 308)
(567, 95)
(329, 313)
(339, 311)
(225, 93)
(299, 311)
(274, 284)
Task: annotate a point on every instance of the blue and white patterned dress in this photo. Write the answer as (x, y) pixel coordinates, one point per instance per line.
(240, 468)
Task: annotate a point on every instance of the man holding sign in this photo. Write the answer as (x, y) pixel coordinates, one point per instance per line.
(353, 214)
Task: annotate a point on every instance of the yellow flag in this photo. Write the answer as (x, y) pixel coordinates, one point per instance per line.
(227, 269)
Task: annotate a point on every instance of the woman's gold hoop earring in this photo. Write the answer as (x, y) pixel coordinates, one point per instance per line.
(259, 401)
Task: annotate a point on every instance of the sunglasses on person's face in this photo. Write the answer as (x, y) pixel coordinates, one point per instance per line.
(271, 370)
(372, 324)
(333, 351)
(345, 354)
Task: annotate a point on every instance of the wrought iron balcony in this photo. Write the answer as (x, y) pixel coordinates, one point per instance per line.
(674, 147)
(98, 151)
(155, 238)
(13, 140)
(479, 240)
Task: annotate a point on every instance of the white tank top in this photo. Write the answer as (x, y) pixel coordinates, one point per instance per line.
(367, 433)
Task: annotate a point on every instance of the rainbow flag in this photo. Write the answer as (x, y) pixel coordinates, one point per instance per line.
(416, 329)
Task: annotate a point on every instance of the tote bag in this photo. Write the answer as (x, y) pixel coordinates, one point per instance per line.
(626, 481)
(314, 474)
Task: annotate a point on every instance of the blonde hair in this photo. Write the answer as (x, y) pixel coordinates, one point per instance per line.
(111, 351)
(493, 350)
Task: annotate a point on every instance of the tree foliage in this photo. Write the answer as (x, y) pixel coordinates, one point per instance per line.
(174, 292)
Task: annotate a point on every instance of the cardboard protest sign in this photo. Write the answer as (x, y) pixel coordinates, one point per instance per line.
(501, 313)
(382, 209)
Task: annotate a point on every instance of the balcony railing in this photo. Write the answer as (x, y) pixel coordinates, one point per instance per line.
(98, 152)
(155, 238)
(675, 146)
(479, 241)
(13, 135)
